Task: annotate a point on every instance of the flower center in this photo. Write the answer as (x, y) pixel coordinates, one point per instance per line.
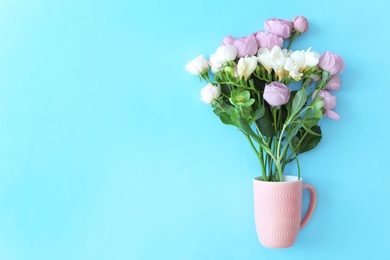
(241, 99)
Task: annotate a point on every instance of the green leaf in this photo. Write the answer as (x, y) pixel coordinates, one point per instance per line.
(298, 101)
(247, 129)
(245, 112)
(235, 119)
(225, 90)
(248, 103)
(265, 124)
(227, 108)
(318, 114)
(289, 103)
(310, 131)
(294, 144)
(310, 122)
(225, 118)
(311, 141)
(246, 94)
(258, 114)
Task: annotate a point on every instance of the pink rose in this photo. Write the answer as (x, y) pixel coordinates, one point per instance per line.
(268, 40)
(246, 46)
(276, 93)
(330, 103)
(228, 40)
(300, 24)
(331, 62)
(334, 83)
(281, 28)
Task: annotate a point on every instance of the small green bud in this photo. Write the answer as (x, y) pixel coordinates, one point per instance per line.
(229, 71)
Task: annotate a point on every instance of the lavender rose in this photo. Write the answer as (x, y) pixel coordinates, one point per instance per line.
(209, 93)
(276, 94)
(300, 24)
(334, 83)
(331, 62)
(281, 28)
(246, 46)
(268, 40)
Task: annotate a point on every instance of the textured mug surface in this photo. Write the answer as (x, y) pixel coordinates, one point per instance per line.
(277, 207)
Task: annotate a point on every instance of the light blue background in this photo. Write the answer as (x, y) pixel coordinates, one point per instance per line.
(106, 151)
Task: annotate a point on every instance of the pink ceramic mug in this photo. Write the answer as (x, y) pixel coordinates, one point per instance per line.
(278, 207)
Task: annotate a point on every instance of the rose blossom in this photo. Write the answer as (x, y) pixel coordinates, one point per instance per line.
(334, 83)
(246, 46)
(300, 24)
(276, 93)
(228, 40)
(197, 66)
(209, 93)
(267, 40)
(279, 27)
(222, 55)
(331, 62)
(330, 103)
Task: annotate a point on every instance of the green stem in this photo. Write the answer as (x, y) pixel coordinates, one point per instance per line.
(275, 119)
(299, 167)
(270, 143)
(280, 138)
(259, 134)
(293, 151)
(277, 164)
(259, 156)
(294, 35)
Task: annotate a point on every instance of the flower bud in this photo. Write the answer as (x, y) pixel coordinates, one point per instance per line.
(300, 24)
(229, 72)
(331, 62)
(330, 103)
(334, 83)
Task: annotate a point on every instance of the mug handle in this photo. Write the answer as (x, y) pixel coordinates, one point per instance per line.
(312, 205)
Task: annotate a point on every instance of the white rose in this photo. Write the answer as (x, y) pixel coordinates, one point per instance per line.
(216, 63)
(197, 66)
(222, 55)
(246, 66)
(209, 93)
(226, 53)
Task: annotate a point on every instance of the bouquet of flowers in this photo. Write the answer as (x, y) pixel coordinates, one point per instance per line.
(248, 81)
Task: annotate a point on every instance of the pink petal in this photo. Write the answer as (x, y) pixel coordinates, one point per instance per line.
(331, 114)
